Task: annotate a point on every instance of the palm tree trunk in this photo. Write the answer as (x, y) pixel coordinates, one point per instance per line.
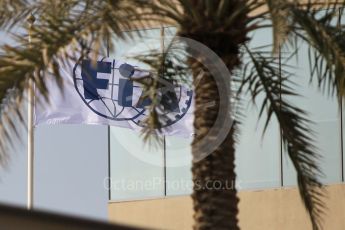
(214, 195)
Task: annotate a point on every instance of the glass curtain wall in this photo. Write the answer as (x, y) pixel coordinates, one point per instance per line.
(138, 171)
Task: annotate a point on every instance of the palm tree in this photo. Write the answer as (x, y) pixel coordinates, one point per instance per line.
(221, 25)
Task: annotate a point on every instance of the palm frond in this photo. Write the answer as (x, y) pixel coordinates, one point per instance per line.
(279, 15)
(12, 12)
(64, 32)
(167, 68)
(264, 78)
(326, 38)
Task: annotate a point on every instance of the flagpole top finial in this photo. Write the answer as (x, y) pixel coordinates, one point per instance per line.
(31, 19)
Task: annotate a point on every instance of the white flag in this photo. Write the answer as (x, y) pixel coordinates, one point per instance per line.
(105, 93)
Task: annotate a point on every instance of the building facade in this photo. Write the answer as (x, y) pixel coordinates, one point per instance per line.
(151, 187)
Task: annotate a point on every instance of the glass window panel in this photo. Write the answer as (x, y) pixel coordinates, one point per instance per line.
(136, 169)
(136, 44)
(343, 120)
(178, 162)
(257, 159)
(257, 156)
(323, 110)
(70, 166)
(178, 150)
(342, 20)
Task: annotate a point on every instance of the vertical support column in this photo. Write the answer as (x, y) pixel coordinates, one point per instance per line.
(341, 106)
(164, 141)
(109, 169)
(165, 166)
(280, 131)
(108, 130)
(30, 172)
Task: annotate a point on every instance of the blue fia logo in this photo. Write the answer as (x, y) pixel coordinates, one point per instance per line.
(107, 89)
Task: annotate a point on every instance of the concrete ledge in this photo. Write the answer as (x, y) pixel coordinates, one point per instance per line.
(265, 209)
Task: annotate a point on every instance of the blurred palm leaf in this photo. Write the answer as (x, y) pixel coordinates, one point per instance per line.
(168, 68)
(279, 12)
(64, 30)
(266, 78)
(14, 11)
(327, 46)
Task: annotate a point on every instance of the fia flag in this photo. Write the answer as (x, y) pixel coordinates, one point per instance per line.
(106, 93)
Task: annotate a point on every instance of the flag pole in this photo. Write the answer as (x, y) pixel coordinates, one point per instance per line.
(30, 167)
(164, 140)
